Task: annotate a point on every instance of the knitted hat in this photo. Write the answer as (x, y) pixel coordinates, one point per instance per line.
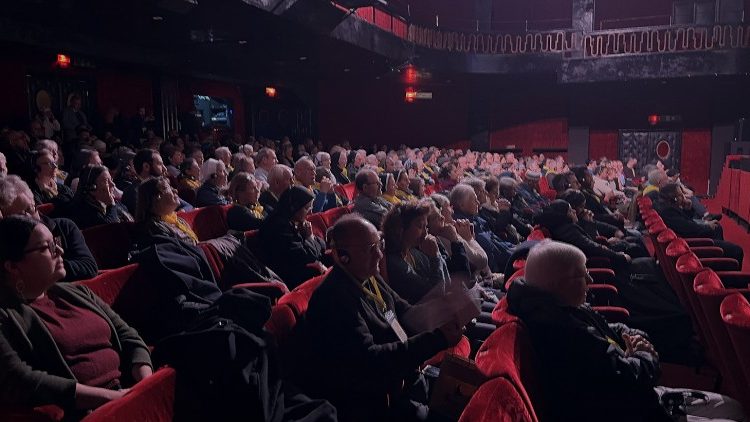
(292, 200)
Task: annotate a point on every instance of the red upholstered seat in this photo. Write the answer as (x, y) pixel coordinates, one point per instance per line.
(735, 314)
(463, 349)
(331, 216)
(281, 323)
(539, 233)
(319, 226)
(519, 264)
(207, 222)
(46, 209)
(150, 400)
(348, 190)
(497, 400)
(109, 244)
(710, 292)
(109, 284)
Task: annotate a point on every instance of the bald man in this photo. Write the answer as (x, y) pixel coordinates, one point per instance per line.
(590, 370)
(325, 196)
(359, 353)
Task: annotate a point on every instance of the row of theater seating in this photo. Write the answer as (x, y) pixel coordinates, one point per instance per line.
(695, 270)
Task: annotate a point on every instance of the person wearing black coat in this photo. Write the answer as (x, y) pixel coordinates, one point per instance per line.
(293, 251)
(94, 203)
(671, 206)
(338, 169)
(594, 202)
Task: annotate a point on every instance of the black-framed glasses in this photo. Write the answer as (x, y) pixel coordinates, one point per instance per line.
(54, 247)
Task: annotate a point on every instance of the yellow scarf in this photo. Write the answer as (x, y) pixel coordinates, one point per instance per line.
(180, 224)
(392, 199)
(256, 210)
(405, 196)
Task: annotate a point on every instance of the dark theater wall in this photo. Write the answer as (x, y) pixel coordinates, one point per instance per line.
(543, 133)
(375, 112)
(126, 90)
(13, 109)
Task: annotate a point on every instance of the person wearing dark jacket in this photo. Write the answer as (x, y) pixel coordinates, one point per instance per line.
(590, 370)
(246, 213)
(294, 252)
(214, 179)
(594, 202)
(279, 179)
(561, 221)
(16, 199)
(672, 206)
(360, 354)
(338, 168)
(94, 203)
(60, 344)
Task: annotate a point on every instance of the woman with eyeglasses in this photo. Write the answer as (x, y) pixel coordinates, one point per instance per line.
(389, 188)
(94, 203)
(60, 344)
(46, 188)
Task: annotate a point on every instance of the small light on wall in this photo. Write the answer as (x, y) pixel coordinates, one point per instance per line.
(63, 61)
(270, 92)
(653, 119)
(410, 95)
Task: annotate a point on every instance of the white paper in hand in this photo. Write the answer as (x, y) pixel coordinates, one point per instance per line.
(437, 309)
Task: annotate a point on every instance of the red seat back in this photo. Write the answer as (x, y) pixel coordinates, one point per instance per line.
(539, 233)
(498, 400)
(109, 284)
(319, 226)
(331, 216)
(348, 190)
(710, 293)
(46, 209)
(207, 222)
(110, 244)
(735, 314)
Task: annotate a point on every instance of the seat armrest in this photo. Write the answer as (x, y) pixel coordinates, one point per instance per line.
(721, 264)
(699, 241)
(707, 251)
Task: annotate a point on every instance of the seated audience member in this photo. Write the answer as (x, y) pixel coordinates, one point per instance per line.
(389, 188)
(375, 357)
(265, 160)
(16, 199)
(83, 158)
(294, 252)
(338, 167)
(54, 149)
(616, 240)
(241, 163)
(589, 370)
(280, 179)
(175, 157)
(94, 203)
(190, 175)
(246, 213)
(147, 163)
(14, 144)
(321, 174)
(497, 215)
(677, 214)
(417, 187)
(157, 215)
(325, 197)
(449, 175)
(656, 179)
(76, 353)
(507, 190)
(124, 174)
(224, 155)
(415, 265)
(46, 188)
(3, 165)
(531, 192)
(629, 170)
(369, 202)
(562, 222)
(214, 182)
(596, 204)
(466, 206)
(402, 186)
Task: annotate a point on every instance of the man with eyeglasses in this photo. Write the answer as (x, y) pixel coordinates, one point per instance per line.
(16, 199)
(360, 356)
(369, 202)
(588, 369)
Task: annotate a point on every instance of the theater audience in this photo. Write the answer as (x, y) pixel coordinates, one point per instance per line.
(14, 144)
(146, 164)
(16, 199)
(280, 178)
(176, 157)
(265, 160)
(389, 188)
(46, 188)
(325, 196)
(214, 182)
(369, 202)
(338, 167)
(596, 204)
(241, 163)
(72, 350)
(94, 203)
(417, 187)
(54, 149)
(82, 158)
(294, 252)
(190, 174)
(246, 213)
(3, 165)
(402, 186)
(588, 369)
(356, 311)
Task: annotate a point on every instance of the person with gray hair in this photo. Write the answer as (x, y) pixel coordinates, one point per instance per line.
(325, 196)
(3, 165)
(280, 179)
(224, 155)
(591, 369)
(265, 159)
(16, 199)
(466, 206)
(656, 179)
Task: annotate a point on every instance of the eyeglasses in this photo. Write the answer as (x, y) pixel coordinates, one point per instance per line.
(379, 244)
(49, 164)
(54, 247)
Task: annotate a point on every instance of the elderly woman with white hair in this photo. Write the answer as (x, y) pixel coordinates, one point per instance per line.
(214, 181)
(466, 206)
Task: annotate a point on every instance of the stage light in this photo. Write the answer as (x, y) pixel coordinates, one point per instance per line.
(271, 92)
(410, 95)
(653, 119)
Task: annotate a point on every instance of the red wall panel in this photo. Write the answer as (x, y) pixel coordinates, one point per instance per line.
(603, 143)
(543, 133)
(696, 157)
(125, 90)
